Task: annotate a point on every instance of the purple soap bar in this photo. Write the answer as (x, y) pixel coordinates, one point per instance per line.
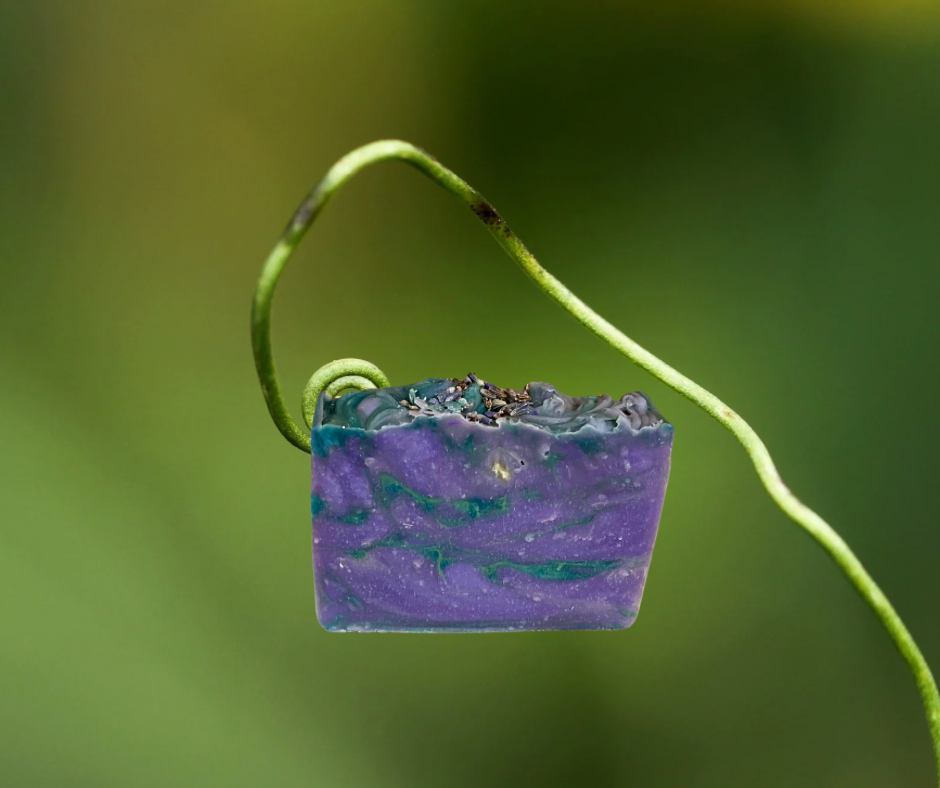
(457, 506)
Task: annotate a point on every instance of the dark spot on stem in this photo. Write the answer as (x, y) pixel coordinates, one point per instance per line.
(486, 212)
(490, 217)
(302, 216)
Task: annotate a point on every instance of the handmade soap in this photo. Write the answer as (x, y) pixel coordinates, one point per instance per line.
(458, 506)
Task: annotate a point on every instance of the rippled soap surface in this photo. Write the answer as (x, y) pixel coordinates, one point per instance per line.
(438, 523)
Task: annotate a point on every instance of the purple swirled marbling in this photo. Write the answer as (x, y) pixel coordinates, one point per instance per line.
(438, 523)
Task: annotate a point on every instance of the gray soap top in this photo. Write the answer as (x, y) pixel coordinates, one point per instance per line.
(538, 404)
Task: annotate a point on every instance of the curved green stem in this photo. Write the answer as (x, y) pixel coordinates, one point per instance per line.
(805, 517)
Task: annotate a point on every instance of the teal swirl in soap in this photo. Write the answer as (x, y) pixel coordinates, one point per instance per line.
(442, 556)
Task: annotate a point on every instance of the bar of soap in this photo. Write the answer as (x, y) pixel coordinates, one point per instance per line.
(458, 506)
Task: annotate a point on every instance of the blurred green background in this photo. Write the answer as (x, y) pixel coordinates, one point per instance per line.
(751, 190)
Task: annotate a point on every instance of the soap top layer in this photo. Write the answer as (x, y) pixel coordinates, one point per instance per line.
(539, 405)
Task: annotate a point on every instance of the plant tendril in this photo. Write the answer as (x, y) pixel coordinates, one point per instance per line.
(354, 373)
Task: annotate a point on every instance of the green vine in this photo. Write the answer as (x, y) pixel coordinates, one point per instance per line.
(354, 373)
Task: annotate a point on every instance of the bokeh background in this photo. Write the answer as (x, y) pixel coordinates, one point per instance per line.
(751, 190)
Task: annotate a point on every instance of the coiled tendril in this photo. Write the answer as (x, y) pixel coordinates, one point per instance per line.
(357, 374)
